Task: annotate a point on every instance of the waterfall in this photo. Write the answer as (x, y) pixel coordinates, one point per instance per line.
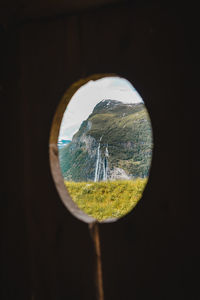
(98, 162)
(101, 163)
(106, 152)
(105, 165)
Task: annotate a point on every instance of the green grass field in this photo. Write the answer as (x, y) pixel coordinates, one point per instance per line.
(103, 200)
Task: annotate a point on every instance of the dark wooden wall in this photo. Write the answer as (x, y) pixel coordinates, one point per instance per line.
(45, 252)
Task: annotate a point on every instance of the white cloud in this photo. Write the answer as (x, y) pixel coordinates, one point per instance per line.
(85, 99)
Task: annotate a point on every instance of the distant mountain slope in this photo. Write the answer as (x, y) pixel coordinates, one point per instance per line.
(62, 143)
(115, 142)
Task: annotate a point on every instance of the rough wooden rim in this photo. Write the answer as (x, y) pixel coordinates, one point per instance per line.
(53, 151)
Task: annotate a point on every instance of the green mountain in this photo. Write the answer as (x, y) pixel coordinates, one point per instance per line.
(115, 142)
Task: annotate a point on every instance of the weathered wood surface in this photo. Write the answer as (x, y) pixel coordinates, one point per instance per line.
(94, 231)
(46, 253)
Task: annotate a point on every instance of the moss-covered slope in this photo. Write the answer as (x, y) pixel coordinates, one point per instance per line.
(124, 129)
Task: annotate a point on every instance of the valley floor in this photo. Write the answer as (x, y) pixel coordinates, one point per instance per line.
(106, 199)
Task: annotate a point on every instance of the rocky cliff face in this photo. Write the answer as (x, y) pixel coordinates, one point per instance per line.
(115, 142)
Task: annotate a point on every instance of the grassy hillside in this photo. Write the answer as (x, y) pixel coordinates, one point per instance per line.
(126, 131)
(103, 200)
(130, 138)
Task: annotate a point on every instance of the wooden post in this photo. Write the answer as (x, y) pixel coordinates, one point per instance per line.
(94, 231)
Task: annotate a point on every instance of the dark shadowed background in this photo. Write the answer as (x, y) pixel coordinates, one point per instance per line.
(47, 45)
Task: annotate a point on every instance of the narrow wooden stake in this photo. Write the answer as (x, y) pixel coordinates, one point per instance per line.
(94, 231)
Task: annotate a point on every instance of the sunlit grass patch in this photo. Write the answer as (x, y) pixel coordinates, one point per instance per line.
(106, 199)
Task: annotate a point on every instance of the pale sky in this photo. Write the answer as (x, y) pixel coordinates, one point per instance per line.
(85, 99)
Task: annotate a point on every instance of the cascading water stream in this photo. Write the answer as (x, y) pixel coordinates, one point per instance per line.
(105, 165)
(101, 168)
(98, 163)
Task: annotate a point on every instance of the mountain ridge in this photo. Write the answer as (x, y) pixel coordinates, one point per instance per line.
(124, 129)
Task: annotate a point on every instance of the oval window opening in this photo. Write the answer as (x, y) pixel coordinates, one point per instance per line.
(101, 148)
